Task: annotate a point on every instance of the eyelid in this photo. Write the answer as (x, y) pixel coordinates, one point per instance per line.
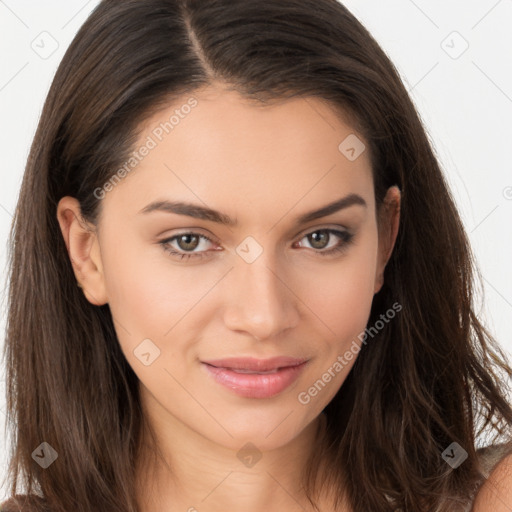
(345, 235)
(201, 231)
(321, 227)
(188, 231)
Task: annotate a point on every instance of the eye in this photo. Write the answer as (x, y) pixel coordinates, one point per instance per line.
(187, 242)
(320, 239)
(186, 245)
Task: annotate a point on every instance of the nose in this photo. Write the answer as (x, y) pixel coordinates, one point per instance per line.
(261, 301)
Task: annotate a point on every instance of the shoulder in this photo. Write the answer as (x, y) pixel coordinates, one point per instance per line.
(23, 503)
(9, 506)
(495, 494)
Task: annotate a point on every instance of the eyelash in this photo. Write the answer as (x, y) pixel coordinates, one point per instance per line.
(346, 240)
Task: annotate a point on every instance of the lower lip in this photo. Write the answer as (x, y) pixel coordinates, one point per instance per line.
(254, 385)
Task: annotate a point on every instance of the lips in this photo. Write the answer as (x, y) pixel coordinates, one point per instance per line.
(252, 365)
(255, 378)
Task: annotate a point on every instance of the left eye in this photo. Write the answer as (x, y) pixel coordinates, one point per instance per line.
(187, 243)
(319, 238)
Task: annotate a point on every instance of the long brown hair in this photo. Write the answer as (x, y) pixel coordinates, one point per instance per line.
(431, 377)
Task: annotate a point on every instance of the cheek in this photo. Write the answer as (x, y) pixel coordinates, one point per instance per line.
(145, 289)
(150, 300)
(341, 293)
(136, 295)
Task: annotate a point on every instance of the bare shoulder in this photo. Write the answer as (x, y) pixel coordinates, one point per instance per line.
(22, 503)
(9, 506)
(495, 494)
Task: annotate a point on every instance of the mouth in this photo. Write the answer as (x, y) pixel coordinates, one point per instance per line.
(251, 378)
(252, 371)
(252, 365)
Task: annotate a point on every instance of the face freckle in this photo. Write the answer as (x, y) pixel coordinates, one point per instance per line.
(235, 184)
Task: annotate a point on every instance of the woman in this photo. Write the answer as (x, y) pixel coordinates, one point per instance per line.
(239, 280)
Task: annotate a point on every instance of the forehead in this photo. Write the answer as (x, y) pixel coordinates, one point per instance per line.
(218, 147)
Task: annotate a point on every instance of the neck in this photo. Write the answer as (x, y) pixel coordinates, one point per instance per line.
(191, 473)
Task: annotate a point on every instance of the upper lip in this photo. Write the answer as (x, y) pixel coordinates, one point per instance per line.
(258, 365)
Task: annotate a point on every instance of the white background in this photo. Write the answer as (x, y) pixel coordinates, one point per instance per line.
(465, 102)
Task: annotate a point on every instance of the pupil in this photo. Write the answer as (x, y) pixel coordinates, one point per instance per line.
(186, 239)
(317, 236)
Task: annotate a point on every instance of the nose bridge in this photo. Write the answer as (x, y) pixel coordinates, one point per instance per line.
(259, 302)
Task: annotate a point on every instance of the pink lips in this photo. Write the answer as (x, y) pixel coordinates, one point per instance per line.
(256, 378)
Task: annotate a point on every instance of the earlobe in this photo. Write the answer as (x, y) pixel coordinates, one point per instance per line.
(84, 251)
(379, 282)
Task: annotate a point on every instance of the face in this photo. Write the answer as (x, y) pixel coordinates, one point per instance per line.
(186, 287)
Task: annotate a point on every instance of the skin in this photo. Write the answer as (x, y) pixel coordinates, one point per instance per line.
(264, 166)
(495, 495)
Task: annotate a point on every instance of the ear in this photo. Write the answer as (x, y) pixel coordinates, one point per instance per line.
(389, 220)
(84, 250)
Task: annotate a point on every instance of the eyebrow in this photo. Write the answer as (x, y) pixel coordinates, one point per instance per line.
(204, 213)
